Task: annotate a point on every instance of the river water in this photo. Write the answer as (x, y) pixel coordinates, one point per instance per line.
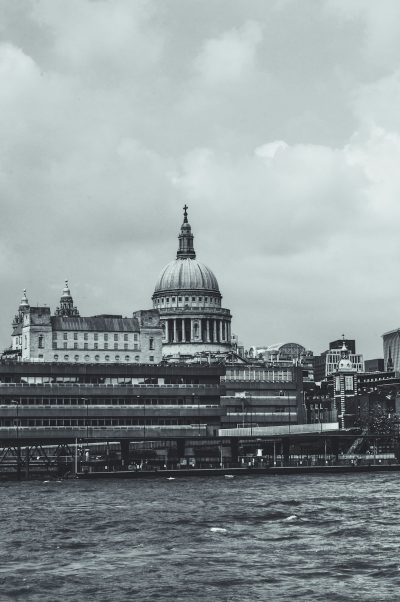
(305, 537)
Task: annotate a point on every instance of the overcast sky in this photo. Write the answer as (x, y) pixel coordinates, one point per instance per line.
(277, 122)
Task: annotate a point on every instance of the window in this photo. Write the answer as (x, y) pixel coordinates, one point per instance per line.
(193, 298)
(186, 298)
(125, 346)
(40, 343)
(96, 346)
(179, 299)
(205, 298)
(96, 336)
(135, 337)
(349, 383)
(76, 358)
(66, 358)
(115, 337)
(136, 347)
(200, 298)
(106, 336)
(117, 358)
(65, 345)
(151, 343)
(107, 358)
(151, 358)
(75, 345)
(167, 299)
(105, 345)
(87, 358)
(125, 337)
(115, 345)
(173, 299)
(75, 336)
(65, 336)
(56, 357)
(55, 345)
(97, 358)
(85, 336)
(85, 346)
(54, 335)
(127, 358)
(137, 358)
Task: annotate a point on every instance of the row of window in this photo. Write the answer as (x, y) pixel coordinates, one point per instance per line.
(187, 299)
(96, 335)
(108, 401)
(107, 358)
(140, 421)
(94, 346)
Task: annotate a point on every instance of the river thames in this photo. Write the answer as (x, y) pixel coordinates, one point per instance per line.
(308, 537)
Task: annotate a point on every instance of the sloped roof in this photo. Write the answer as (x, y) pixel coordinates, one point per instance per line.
(95, 324)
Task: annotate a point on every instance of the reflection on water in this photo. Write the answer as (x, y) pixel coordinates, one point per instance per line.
(309, 537)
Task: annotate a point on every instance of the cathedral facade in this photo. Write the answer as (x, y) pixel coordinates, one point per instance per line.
(189, 301)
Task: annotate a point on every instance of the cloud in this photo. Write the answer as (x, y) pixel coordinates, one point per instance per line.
(277, 122)
(229, 57)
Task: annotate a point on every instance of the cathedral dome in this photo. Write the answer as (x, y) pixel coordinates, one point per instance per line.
(186, 275)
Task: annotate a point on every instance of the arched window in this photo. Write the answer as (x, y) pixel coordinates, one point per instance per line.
(127, 358)
(76, 358)
(107, 358)
(56, 358)
(97, 358)
(87, 358)
(66, 358)
(117, 358)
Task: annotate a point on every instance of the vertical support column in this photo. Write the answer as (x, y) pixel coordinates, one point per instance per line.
(183, 331)
(235, 449)
(27, 458)
(175, 332)
(215, 331)
(201, 329)
(166, 331)
(208, 330)
(220, 331)
(124, 445)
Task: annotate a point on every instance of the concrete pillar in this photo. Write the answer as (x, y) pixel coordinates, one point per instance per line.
(220, 331)
(124, 446)
(286, 451)
(183, 331)
(235, 449)
(208, 330)
(191, 330)
(215, 331)
(175, 332)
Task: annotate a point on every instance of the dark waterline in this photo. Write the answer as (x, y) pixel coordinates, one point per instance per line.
(242, 539)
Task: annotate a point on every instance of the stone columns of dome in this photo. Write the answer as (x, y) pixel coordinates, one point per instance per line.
(183, 331)
(166, 331)
(191, 331)
(208, 330)
(214, 331)
(175, 332)
(220, 331)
